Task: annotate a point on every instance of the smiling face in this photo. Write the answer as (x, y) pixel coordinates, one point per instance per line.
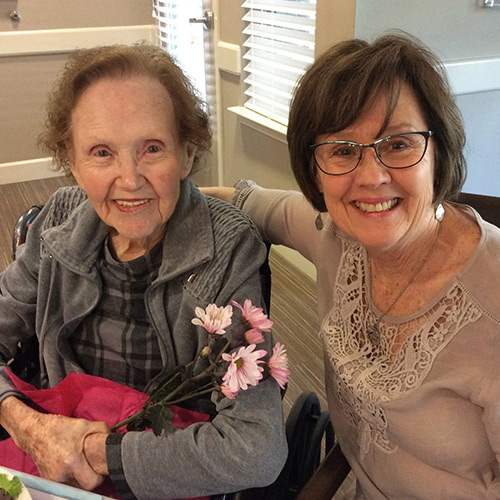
(125, 154)
(382, 208)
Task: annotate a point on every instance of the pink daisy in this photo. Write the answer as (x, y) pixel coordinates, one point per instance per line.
(214, 319)
(227, 392)
(278, 365)
(255, 319)
(254, 336)
(244, 369)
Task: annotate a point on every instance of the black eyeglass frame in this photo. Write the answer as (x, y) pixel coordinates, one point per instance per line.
(424, 133)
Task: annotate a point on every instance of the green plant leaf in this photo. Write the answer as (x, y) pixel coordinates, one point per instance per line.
(139, 424)
(160, 418)
(11, 486)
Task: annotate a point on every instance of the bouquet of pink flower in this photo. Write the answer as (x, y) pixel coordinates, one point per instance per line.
(229, 362)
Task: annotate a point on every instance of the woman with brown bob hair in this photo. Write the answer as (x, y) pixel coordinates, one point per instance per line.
(112, 274)
(410, 324)
(347, 78)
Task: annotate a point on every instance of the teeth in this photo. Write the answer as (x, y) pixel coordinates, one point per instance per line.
(378, 207)
(129, 204)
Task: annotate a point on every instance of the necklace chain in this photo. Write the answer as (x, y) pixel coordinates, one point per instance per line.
(374, 331)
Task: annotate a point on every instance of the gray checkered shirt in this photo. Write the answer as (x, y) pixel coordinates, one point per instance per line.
(117, 341)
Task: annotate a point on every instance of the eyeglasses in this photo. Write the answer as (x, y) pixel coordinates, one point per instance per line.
(394, 151)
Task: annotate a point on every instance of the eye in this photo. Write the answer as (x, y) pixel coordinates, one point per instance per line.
(397, 144)
(101, 152)
(342, 150)
(153, 148)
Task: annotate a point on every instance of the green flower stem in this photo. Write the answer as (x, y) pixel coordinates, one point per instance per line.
(158, 389)
(128, 420)
(189, 396)
(192, 365)
(223, 350)
(142, 412)
(170, 399)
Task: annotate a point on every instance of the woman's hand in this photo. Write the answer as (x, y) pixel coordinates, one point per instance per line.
(54, 442)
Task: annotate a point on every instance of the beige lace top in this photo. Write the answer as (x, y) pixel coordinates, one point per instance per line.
(417, 418)
(369, 373)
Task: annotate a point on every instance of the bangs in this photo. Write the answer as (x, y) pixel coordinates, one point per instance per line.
(356, 88)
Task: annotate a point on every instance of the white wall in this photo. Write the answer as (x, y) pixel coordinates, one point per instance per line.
(456, 30)
(481, 113)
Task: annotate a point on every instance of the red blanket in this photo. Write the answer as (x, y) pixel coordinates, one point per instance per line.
(92, 398)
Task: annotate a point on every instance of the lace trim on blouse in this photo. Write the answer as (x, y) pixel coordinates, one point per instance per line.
(368, 374)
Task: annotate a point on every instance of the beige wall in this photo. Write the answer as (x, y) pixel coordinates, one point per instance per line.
(56, 14)
(24, 84)
(472, 35)
(335, 21)
(25, 80)
(230, 13)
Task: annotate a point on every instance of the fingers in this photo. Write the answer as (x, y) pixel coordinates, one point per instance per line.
(100, 427)
(57, 448)
(79, 474)
(56, 443)
(94, 450)
(86, 477)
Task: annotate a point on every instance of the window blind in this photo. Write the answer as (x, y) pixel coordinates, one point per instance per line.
(182, 40)
(279, 47)
(166, 16)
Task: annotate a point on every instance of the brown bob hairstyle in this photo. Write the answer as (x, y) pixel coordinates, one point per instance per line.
(345, 81)
(86, 66)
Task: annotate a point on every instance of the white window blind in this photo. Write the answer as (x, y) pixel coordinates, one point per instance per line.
(280, 46)
(182, 40)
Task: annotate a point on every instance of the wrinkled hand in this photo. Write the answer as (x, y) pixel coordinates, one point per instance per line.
(54, 442)
(94, 449)
(56, 445)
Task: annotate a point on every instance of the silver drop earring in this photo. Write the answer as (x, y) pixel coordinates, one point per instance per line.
(439, 213)
(319, 222)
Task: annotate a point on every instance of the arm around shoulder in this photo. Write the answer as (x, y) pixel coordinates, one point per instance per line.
(222, 193)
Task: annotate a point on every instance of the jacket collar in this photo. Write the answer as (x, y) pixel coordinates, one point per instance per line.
(189, 240)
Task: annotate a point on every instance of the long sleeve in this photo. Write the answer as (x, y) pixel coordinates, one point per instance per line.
(18, 302)
(282, 217)
(243, 446)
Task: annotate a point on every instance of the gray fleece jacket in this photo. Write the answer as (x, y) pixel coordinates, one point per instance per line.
(54, 284)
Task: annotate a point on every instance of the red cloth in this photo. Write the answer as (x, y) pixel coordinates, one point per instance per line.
(92, 398)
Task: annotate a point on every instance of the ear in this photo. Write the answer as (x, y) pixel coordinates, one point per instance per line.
(189, 152)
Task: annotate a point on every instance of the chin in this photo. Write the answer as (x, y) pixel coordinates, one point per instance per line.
(140, 233)
(377, 240)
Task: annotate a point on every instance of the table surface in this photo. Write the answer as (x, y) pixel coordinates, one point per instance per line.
(40, 495)
(43, 489)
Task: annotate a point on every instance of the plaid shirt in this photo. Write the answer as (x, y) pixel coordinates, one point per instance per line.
(117, 341)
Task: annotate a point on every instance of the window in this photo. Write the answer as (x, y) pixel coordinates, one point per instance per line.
(280, 46)
(182, 40)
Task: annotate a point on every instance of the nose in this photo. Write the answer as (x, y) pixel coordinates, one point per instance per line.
(370, 170)
(130, 177)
